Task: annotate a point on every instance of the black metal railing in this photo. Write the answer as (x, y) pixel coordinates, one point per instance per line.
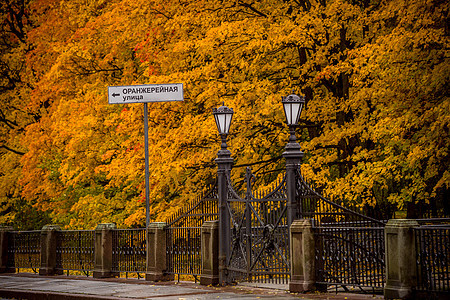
(350, 256)
(24, 250)
(184, 253)
(129, 251)
(433, 257)
(350, 246)
(75, 251)
(183, 235)
(346, 255)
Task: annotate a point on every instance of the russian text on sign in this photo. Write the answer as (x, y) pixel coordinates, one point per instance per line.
(145, 93)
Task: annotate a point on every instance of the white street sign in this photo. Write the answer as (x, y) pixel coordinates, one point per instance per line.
(145, 93)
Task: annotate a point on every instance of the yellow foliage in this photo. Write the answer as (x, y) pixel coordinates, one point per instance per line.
(375, 127)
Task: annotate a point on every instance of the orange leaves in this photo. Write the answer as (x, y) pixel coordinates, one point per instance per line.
(375, 127)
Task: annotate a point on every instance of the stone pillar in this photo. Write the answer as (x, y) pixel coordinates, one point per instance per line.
(401, 269)
(103, 251)
(210, 253)
(49, 239)
(302, 256)
(4, 268)
(156, 253)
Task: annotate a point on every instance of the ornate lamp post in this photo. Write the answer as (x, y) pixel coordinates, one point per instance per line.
(292, 105)
(223, 116)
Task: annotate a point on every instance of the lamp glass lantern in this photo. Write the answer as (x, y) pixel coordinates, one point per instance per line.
(293, 105)
(223, 116)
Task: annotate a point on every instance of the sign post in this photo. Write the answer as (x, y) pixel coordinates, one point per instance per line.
(144, 94)
(147, 173)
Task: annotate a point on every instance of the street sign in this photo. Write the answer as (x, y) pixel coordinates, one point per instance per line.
(145, 93)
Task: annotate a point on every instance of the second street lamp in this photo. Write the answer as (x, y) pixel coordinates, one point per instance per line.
(223, 116)
(293, 154)
(292, 106)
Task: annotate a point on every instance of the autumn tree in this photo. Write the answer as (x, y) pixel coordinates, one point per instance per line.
(16, 84)
(360, 65)
(374, 73)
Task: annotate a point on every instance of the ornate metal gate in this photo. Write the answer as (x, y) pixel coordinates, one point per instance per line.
(254, 240)
(258, 249)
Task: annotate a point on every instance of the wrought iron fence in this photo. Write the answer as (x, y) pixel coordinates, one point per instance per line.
(183, 235)
(184, 253)
(345, 255)
(350, 256)
(433, 258)
(24, 250)
(350, 246)
(129, 251)
(75, 250)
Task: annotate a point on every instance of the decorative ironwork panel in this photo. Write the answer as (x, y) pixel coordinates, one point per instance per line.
(433, 258)
(351, 256)
(311, 205)
(24, 250)
(75, 250)
(183, 234)
(129, 250)
(259, 249)
(184, 252)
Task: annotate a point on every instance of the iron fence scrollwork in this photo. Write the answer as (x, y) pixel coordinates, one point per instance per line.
(433, 258)
(24, 249)
(75, 251)
(129, 251)
(350, 256)
(183, 235)
(349, 245)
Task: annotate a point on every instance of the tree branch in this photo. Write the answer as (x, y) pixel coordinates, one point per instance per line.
(12, 150)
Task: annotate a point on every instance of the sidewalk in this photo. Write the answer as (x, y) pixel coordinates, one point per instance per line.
(30, 286)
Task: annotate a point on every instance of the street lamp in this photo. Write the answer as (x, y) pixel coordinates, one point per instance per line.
(293, 154)
(293, 106)
(223, 116)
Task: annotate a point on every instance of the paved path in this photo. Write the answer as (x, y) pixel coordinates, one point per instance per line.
(28, 286)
